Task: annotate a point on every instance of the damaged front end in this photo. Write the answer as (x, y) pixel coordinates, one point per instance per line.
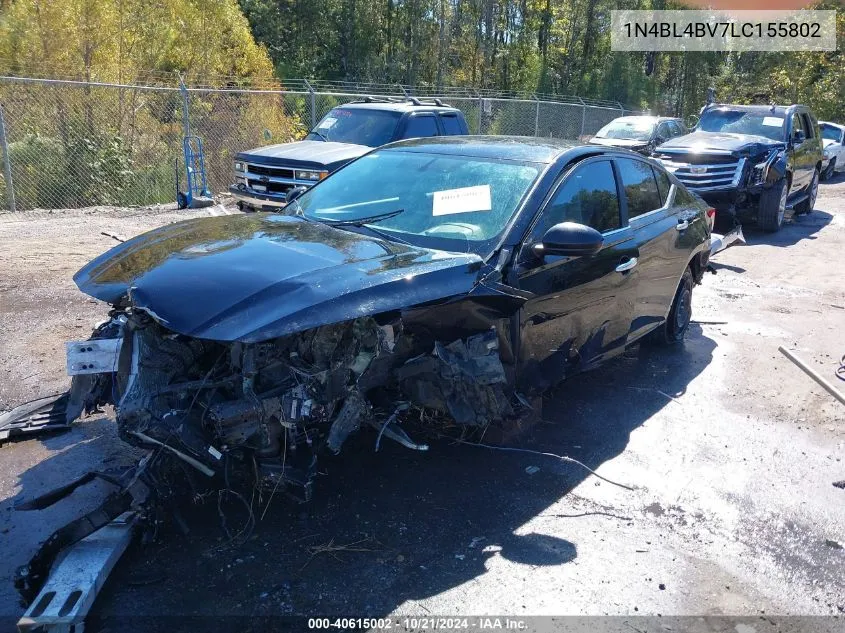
(208, 409)
(281, 402)
(235, 363)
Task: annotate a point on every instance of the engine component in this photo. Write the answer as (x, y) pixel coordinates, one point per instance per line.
(462, 379)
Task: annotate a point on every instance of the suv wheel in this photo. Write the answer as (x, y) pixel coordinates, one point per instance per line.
(772, 207)
(831, 169)
(676, 326)
(813, 191)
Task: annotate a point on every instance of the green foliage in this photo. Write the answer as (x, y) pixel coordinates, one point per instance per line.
(98, 168)
(84, 145)
(123, 40)
(84, 171)
(530, 46)
(33, 160)
(525, 46)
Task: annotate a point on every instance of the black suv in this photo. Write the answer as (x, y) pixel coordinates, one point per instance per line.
(750, 162)
(264, 175)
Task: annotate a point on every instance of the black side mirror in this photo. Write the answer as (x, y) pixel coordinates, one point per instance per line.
(294, 193)
(659, 140)
(571, 240)
(799, 137)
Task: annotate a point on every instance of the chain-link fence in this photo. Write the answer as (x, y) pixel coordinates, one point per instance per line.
(69, 144)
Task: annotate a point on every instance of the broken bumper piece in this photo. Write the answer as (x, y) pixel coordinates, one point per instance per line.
(48, 414)
(721, 242)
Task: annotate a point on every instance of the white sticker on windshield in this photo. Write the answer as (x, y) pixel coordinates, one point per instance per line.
(327, 122)
(463, 200)
(772, 121)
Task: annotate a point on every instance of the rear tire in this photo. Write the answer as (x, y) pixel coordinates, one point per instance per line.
(675, 328)
(829, 172)
(813, 192)
(771, 208)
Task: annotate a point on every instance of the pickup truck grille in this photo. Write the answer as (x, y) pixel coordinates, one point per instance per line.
(703, 175)
(272, 172)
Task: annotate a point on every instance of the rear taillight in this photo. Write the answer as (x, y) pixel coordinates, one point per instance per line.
(711, 217)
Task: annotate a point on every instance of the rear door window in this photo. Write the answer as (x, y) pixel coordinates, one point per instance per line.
(587, 196)
(451, 124)
(808, 126)
(421, 125)
(640, 185)
(663, 184)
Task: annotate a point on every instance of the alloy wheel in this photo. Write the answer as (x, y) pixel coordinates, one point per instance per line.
(782, 204)
(814, 191)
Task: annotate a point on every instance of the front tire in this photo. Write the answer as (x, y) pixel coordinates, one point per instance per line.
(830, 170)
(675, 328)
(809, 203)
(772, 207)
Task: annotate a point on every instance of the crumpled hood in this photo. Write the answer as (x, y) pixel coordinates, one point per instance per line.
(627, 143)
(256, 277)
(306, 154)
(704, 142)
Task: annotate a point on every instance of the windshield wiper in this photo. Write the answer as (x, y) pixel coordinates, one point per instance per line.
(363, 221)
(321, 135)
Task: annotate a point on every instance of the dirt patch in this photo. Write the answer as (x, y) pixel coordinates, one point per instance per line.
(40, 306)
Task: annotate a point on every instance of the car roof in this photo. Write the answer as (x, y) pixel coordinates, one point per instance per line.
(523, 148)
(397, 106)
(774, 109)
(638, 117)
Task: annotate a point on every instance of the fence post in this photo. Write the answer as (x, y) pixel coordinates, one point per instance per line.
(621, 108)
(583, 116)
(537, 117)
(480, 113)
(312, 103)
(7, 163)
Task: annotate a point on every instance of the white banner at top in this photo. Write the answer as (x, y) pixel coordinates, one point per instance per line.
(727, 30)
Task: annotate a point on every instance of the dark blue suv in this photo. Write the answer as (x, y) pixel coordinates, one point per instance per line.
(264, 175)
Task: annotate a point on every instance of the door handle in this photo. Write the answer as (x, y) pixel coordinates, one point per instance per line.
(627, 265)
(682, 225)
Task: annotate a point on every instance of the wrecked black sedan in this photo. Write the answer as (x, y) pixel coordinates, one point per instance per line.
(458, 276)
(441, 281)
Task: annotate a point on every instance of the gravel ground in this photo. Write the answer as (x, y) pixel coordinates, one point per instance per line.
(732, 452)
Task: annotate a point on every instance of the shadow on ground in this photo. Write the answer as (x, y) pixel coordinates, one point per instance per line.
(395, 525)
(802, 227)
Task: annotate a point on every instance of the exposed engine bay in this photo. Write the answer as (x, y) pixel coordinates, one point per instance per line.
(216, 415)
(283, 401)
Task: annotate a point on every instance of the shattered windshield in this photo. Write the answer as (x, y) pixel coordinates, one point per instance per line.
(627, 129)
(410, 195)
(765, 124)
(357, 126)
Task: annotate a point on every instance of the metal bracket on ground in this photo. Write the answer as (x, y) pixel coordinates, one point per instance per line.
(73, 585)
